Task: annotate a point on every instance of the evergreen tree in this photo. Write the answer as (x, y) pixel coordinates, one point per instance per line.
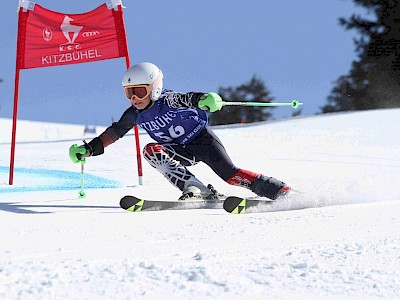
(374, 79)
(253, 91)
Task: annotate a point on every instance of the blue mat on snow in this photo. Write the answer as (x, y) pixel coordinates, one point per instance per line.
(32, 180)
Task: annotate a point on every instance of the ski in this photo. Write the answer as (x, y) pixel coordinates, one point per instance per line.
(238, 205)
(231, 204)
(134, 204)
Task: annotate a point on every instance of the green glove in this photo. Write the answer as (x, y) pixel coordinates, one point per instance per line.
(78, 154)
(211, 102)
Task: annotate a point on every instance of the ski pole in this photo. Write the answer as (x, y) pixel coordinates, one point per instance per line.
(293, 104)
(82, 193)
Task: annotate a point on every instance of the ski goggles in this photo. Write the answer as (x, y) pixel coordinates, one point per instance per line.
(141, 91)
(138, 91)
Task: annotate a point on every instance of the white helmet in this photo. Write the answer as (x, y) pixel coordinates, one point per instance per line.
(145, 74)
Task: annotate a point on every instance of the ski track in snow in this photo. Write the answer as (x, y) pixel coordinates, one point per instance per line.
(339, 239)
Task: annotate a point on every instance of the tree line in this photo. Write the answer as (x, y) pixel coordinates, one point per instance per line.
(373, 80)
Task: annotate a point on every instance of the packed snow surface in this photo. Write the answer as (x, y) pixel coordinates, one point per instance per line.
(338, 239)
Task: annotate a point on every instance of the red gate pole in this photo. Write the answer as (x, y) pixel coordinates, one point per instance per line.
(18, 63)
(14, 126)
(135, 128)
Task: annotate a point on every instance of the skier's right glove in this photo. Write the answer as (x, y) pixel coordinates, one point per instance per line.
(211, 102)
(93, 148)
(79, 153)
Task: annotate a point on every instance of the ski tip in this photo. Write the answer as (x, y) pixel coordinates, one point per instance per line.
(131, 203)
(235, 205)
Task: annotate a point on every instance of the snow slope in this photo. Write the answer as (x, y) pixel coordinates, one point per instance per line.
(338, 240)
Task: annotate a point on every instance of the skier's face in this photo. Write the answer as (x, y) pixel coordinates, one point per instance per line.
(140, 104)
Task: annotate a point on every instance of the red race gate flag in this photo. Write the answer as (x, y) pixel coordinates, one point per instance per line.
(49, 38)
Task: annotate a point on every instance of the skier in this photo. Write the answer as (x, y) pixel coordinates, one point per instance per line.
(178, 124)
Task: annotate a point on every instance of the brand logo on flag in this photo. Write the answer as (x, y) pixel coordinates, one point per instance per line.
(70, 31)
(47, 34)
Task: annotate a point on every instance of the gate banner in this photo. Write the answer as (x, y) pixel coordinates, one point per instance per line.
(47, 38)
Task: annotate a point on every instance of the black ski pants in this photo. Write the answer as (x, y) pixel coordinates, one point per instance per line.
(207, 148)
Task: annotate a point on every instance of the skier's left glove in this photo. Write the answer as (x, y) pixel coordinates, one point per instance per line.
(211, 102)
(79, 153)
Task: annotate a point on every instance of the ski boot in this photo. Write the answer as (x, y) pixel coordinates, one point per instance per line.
(192, 192)
(269, 187)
